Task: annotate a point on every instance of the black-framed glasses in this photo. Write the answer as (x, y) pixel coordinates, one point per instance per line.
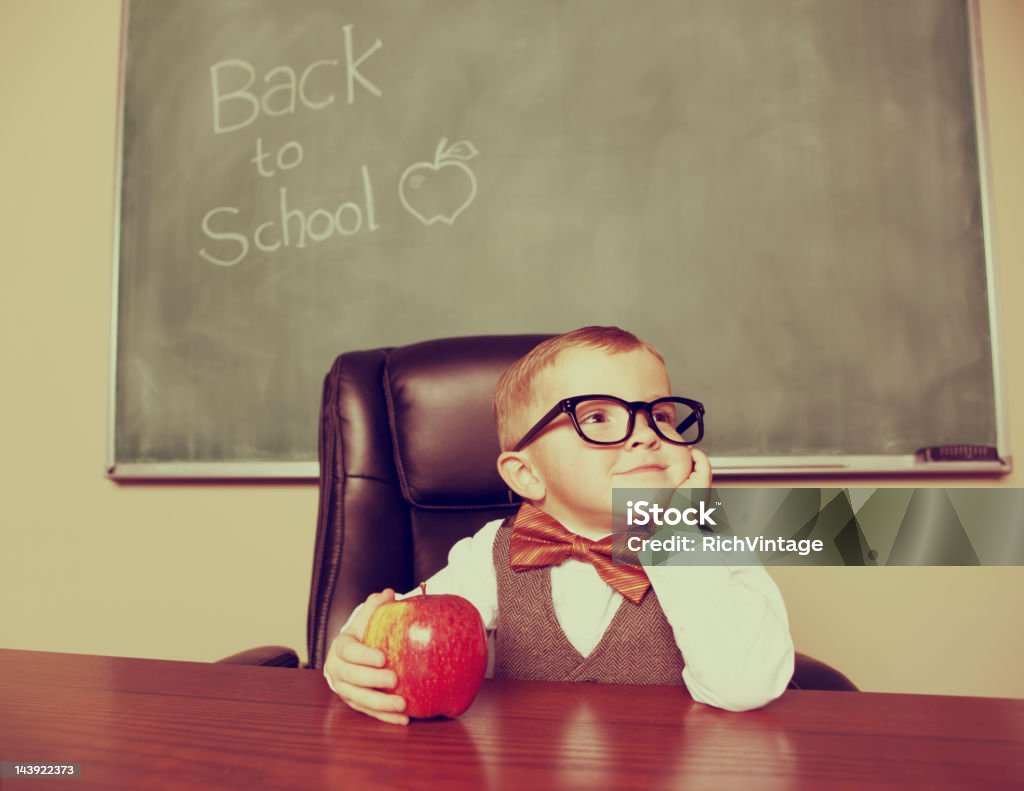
(607, 420)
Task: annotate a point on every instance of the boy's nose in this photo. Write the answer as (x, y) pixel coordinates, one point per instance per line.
(643, 431)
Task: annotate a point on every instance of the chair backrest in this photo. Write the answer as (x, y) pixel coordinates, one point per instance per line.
(407, 468)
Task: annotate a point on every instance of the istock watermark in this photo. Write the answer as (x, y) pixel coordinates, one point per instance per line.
(819, 526)
(642, 513)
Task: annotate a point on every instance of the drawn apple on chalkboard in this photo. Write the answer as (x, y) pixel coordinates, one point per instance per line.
(440, 190)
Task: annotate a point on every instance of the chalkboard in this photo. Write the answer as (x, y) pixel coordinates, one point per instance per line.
(787, 198)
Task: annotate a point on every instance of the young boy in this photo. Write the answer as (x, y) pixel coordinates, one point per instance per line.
(559, 609)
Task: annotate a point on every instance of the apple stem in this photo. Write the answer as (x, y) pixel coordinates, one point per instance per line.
(440, 150)
(423, 588)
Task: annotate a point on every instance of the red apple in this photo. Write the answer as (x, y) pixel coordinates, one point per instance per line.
(438, 649)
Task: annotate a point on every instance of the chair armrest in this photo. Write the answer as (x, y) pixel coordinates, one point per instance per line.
(811, 673)
(267, 656)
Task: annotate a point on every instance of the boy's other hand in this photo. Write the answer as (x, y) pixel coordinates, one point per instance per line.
(700, 475)
(357, 671)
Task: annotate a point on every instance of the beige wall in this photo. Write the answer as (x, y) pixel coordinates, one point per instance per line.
(199, 571)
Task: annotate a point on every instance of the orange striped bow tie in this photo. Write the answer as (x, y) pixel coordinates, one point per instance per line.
(540, 540)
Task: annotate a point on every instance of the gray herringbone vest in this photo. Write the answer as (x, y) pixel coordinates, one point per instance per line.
(637, 648)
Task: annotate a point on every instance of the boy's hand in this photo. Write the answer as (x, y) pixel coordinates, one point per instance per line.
(700, 475)
(357, 671)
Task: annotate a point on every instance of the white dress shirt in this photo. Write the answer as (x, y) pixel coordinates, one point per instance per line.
(729, 622)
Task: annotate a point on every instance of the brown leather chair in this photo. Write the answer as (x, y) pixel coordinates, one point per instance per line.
(407, 468)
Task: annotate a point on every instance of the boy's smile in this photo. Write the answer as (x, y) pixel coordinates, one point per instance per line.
(576, 477)
(642, 468)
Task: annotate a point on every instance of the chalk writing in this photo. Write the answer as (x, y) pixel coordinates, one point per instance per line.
(292, 228)
(287, 91)
(288, 156)
(437, 191)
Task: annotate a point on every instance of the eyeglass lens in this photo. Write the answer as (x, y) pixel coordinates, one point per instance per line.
(604, 420)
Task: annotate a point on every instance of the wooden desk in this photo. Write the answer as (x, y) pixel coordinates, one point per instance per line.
(138, 723)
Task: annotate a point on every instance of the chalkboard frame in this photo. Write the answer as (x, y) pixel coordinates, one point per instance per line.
(955, 460)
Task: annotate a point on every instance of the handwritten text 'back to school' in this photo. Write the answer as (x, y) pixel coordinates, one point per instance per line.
(430, 191)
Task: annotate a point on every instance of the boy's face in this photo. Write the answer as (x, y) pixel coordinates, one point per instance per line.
(578, 476)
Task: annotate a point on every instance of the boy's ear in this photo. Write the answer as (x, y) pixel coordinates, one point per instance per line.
(517, 472)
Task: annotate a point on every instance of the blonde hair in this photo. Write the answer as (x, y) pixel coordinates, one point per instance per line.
(514, 393)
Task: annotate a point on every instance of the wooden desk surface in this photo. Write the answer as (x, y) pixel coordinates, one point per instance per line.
(139, 723)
